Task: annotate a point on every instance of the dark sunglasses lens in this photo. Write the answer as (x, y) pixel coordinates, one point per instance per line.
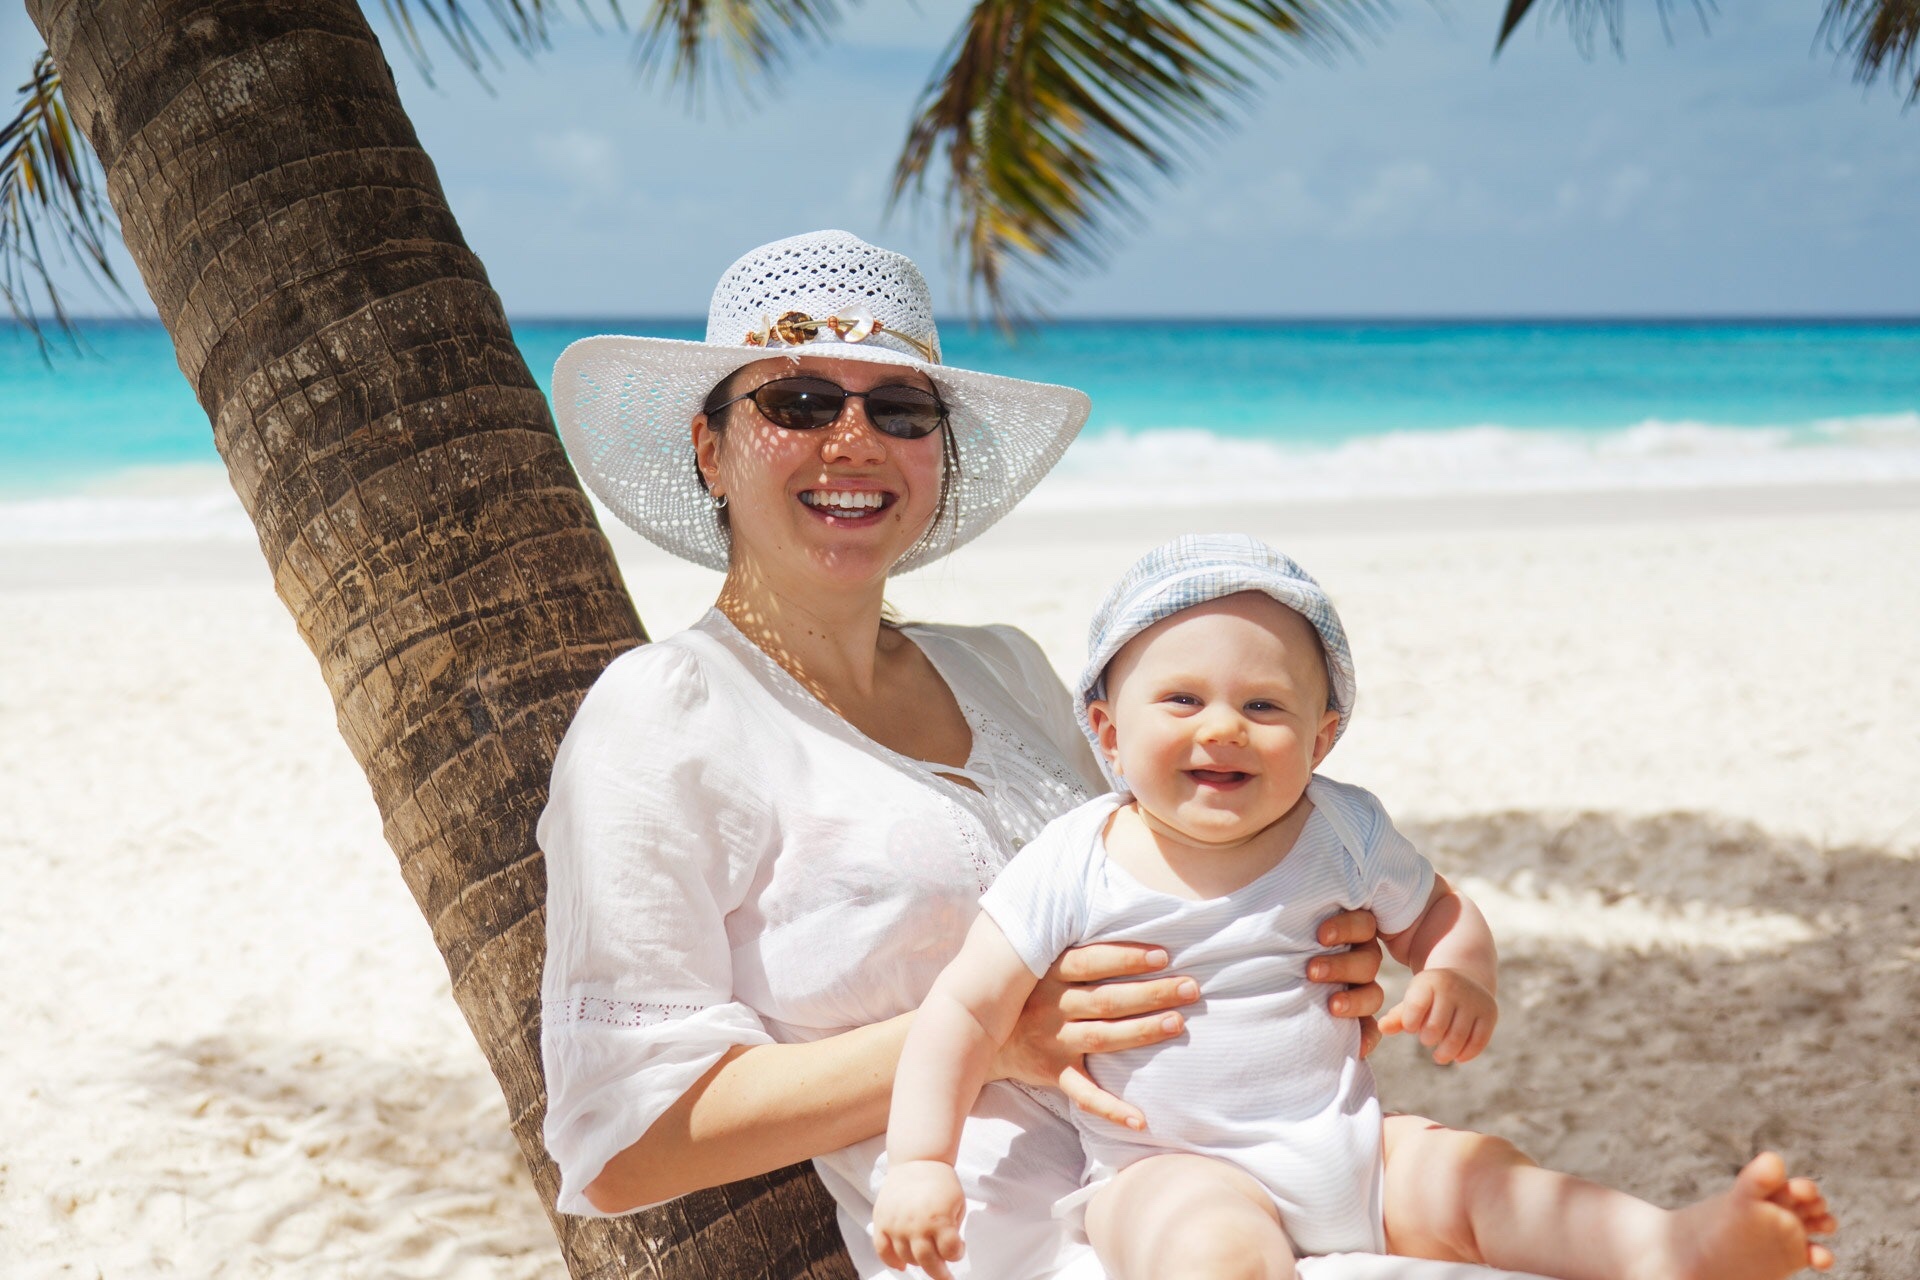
(905, 412)
(800, 404)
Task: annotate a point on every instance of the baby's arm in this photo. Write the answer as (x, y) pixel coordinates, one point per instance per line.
(1450, 1002)
(947, 1059)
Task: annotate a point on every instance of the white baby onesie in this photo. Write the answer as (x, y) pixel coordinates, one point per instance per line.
(1264, 1076)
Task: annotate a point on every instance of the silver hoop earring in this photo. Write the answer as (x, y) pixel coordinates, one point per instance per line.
(719, 501)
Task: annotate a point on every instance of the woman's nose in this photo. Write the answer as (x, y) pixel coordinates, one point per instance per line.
(850, 438)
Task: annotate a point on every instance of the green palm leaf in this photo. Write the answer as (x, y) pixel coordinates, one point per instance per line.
(1053, 117)
(49, 181)
(1879, 35)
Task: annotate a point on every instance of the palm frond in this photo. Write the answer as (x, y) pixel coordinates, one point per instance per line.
(50, 184)
(677, 37)
(1054, 117)
(673, 40)
(1586, 18)
(1881, 35)
(526, 24)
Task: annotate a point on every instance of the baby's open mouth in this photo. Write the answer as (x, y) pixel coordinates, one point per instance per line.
(1218, 777)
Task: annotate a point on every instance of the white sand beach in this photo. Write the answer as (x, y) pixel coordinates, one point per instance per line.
(1671, 742)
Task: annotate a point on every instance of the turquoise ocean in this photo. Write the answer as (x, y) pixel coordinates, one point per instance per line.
(107, 443)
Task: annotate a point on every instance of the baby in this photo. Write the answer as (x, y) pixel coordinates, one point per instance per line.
(1218, 678)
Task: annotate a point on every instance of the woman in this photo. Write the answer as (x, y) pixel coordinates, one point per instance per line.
(767, 834)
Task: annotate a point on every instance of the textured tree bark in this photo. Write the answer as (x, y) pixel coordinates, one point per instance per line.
(411, 497)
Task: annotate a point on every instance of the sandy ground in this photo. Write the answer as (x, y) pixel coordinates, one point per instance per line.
(1668, 741)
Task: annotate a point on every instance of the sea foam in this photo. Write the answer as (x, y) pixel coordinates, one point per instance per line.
(1180, 467)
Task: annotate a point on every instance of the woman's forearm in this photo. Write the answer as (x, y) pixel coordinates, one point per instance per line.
(761, 1108)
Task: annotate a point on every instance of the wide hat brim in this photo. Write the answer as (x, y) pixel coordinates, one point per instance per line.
(625, 408)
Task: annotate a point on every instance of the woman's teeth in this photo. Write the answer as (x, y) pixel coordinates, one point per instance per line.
(844, 499)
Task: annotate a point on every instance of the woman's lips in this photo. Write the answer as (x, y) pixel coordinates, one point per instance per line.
(847, 506)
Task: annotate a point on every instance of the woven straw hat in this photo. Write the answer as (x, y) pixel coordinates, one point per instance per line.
(625, 405)
(1190, 571)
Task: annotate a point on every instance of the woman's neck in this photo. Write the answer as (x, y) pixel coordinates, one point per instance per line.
(827, 640)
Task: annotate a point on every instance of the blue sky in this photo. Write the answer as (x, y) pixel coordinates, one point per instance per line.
(1737, 170)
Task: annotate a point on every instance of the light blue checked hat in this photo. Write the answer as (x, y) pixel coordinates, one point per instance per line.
(1192, 570)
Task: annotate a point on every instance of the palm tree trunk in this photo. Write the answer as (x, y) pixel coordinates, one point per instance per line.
(411, 497)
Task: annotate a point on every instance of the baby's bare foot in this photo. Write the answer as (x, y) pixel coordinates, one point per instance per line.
(1756, 1229)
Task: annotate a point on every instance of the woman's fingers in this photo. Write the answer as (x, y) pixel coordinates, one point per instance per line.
(1360, 965)
(1103, 960)
(1127, 999)
(1350, 928)
(1369, 1036)
(1091, 1098)
(1122, 1033)
(1357, 1002)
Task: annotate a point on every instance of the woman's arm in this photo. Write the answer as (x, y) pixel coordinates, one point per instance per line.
(759, 1109)
(764, 1107)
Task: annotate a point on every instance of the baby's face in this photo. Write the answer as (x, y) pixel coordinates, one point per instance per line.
(1216, 717)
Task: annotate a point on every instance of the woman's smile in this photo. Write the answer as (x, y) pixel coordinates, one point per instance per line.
(847, 507)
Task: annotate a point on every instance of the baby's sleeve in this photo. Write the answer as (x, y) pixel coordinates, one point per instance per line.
(1397, 880)
(1039, 900)
(650, 839)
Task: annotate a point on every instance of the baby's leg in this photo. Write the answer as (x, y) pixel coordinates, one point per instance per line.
(1187, 1217)
(1464, 1197)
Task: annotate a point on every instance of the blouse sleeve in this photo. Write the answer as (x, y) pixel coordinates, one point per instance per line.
(1050, 703)
(651, 838)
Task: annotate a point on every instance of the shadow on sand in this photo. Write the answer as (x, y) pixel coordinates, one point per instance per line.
(1744, 992)
(1661, 1065)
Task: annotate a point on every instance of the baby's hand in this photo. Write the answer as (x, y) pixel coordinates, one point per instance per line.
(916, 1220)
(1451, 1013)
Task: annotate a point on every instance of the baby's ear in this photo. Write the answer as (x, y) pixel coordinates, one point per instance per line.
(1100, 716)
(1323, 739)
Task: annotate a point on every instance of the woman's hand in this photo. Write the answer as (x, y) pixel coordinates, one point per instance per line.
(1356, 968)
(1079, 1008)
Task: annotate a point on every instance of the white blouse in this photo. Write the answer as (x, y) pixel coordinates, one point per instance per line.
(731, 863)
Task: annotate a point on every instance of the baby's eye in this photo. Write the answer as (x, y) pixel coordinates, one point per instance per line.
(1182, 700)
(1262, 707)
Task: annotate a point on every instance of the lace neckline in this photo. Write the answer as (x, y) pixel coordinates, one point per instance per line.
(716, 622)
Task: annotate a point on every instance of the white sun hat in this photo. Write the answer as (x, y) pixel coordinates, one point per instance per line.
(1192, 570)
(625, 405)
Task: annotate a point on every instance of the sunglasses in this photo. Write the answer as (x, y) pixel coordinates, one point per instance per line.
(806, 404)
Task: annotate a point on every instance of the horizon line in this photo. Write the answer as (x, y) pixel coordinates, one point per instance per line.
(51, 323)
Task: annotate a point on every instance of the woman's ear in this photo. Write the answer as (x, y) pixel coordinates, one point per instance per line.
(1100, 716)
(1323, 740)
(706, 452)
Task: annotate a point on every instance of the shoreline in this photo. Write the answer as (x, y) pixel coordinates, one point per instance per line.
(54, 564)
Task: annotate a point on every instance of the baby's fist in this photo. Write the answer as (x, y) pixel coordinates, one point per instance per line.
(1451, 1013)
(916, 1220)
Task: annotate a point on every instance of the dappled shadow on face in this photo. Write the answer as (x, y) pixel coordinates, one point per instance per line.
(1679, 992)
(305, 1159)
